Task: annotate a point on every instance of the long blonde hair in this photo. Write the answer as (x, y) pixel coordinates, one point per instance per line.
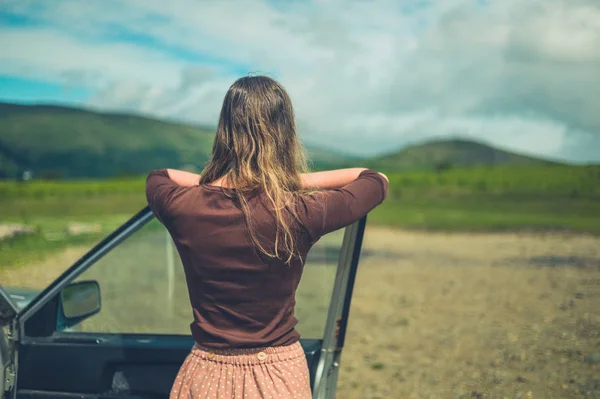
(256, 147)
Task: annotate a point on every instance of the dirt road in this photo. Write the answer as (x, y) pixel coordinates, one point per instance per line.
(474, 316)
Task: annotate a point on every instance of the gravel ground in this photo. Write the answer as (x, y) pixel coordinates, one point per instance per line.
(458, 315)
(474, 316)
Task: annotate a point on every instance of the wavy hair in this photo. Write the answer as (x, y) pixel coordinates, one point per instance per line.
(256, 147)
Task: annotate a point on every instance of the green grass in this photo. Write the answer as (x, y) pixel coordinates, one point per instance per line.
(539, 181)
(44, 189)
(534, 197)
(20, 250)
(49, 207)
(490, 214)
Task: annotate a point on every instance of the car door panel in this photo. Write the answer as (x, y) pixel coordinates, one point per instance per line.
(109, 365)
(101, 365)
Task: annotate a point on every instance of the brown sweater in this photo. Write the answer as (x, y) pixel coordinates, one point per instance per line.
(241, 299)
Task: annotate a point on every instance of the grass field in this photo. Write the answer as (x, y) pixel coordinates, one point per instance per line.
(550, 197)
(540, 198)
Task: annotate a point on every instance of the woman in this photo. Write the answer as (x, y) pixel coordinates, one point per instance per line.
(243, 228)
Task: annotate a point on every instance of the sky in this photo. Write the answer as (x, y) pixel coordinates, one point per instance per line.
(366, 77)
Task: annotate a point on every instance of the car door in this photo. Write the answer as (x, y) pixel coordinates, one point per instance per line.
(116, 323)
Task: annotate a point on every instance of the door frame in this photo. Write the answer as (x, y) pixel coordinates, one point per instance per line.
(326, 375)
(119, 235)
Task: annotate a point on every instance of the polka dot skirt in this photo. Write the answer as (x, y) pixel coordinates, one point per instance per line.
(265, 373)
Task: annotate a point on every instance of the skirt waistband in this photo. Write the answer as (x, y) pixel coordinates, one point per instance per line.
(249, 356)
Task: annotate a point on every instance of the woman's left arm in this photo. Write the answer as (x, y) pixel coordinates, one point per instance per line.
(183, 178)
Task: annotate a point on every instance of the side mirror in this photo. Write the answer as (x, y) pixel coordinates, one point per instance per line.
(78, 301)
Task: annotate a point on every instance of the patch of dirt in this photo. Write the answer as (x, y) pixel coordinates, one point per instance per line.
(8, 230)
(474, 316)
(74, 228)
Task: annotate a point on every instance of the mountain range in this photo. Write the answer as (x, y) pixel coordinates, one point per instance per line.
(65, 142)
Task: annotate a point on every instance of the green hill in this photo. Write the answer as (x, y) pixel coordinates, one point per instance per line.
(326, 158)
(442, 154)
(64, 142)
(69, 142)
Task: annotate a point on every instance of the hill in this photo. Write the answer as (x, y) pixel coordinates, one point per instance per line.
(65, 142)
(57, 141)
(442, 154)
(327, 158)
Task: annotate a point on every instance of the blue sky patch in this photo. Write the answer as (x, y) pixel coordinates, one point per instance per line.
(23, 90)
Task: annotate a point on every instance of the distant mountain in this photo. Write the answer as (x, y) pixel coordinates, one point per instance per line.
(441, 154)
(65, 142)
(326, 158)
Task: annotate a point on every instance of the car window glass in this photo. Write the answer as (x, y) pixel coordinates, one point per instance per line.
(143, 286)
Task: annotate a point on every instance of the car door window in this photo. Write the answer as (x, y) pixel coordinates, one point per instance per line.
(144, 291)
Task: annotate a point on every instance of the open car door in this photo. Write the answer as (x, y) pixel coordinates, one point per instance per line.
(116, 323)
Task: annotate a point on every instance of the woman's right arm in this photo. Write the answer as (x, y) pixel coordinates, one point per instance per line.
(331, 179)
(336, 207)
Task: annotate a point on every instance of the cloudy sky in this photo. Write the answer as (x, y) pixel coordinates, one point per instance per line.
(365, 76)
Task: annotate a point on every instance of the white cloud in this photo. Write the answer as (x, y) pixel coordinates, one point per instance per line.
(54, 55)
(365, 76)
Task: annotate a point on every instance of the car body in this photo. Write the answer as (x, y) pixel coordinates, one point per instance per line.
(21, 296)
(50, 348)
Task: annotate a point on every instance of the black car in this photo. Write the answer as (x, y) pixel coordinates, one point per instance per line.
(116, 323)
